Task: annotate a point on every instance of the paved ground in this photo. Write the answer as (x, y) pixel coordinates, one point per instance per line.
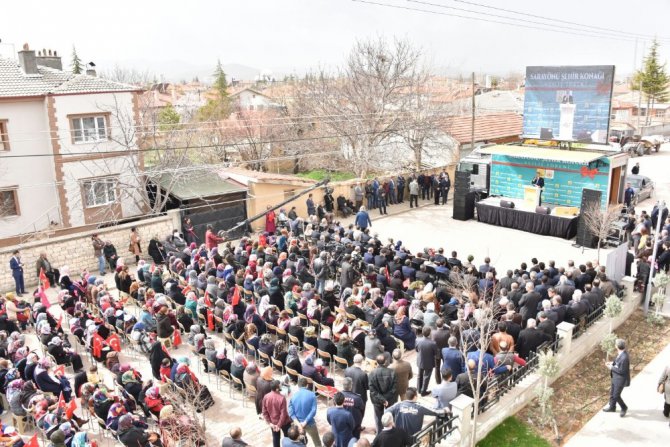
(643, 425)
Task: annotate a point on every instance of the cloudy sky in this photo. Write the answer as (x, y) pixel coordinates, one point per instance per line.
(179, 39)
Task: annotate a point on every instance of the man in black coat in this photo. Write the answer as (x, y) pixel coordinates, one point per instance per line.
(529, 303)
(620, 373)
(358, 377)
(564, 289)
(383, 389)
(530, 339)
(427, 351)
(547, 325)
(441, 338)
(513, 328)
(515, 294)
(577, 309)
(583, 278)
(591, 297)
(346, 273)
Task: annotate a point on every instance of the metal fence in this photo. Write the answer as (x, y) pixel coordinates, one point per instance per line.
(433, 433)
(587, 321)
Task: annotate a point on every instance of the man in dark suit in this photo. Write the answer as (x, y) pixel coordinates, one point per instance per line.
(564, 289)
(582, 278)
(590, 297)
(506, 281)
(576, 309)
(425, 360)
(452, 358)
(358, 377)
(547, 325)
(530, 339)
(620, 373)
(454, 261)
(16, 266)
(515, 294)
(441, 338)
(513, 328)
(529, 302)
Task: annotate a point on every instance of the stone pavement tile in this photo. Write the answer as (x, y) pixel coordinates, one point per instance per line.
(644, 425)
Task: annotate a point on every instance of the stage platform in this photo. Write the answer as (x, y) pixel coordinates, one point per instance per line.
(489, 211)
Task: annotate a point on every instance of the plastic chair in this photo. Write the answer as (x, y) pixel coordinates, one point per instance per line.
(278, 365)
(342, 362)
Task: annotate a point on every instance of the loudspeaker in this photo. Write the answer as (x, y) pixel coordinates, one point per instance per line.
(586, 238)
(542, 210)
(464, 207)
(506, 204)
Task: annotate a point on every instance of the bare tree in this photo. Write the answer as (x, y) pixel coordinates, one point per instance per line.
(368, 96)
(187, 426)
(599, 221)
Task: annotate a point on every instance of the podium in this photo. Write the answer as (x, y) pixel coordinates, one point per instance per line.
(531, 196)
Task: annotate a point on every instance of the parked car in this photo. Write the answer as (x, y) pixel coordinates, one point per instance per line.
(643, 186)
(655, 140)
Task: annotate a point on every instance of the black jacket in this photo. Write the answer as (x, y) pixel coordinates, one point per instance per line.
(529, 340)
(164, 327)
(427, 352)
(383, 384)
(360, 381)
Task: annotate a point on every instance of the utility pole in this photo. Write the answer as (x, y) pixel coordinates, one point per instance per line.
(659, 224)
(639, 106)
(472, 129)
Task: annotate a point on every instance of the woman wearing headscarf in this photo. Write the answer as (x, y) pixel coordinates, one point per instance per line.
(266, 346)
(156, 355)
(62, 356)
(132, 435)
(153, 400)
(388, 298)
(184, 377)
(222, 361)
(313, 311)
(293, 359)
(102, 402)
(13, 395)
(315, 371)
(80, 439)
(115, 412)
(238, 366)
(340, 325)
(310, 336)
(195, 330)
(403, 330)
(280, 352)
(53, 384)
(250, 375)
(295, 329)
(132, 383)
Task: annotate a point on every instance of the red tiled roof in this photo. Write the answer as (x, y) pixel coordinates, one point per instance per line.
(487, 127)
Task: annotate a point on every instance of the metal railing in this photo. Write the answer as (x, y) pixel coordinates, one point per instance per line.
(498, 386)
(433, 433)
(587, 321)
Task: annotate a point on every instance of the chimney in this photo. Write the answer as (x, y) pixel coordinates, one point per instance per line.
(91, 72)
(27, 60)
(49, 58)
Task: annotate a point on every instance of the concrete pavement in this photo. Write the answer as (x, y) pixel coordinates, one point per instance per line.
(643, 425)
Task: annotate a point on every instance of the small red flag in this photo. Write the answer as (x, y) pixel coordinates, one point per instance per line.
(33, 442)
(388, 276)
(43, 299)
(153, 267)
(44, 280)
(97, 345)
(236, 296)
(177, 338)
(60, 322)
(210, 320)
(59, 371)
(61, 401)
(208, 302)
(114, 342)
(71, 408)
(186, 289)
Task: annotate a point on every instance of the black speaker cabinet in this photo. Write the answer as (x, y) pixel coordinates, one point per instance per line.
(542, 210)
(506, 204)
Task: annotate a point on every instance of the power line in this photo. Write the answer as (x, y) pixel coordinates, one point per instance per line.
(428, 11)
(553, 19)
(437, 5)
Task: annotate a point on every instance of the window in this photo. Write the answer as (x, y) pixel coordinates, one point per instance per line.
(9, 202)
(88, 129)
(4, 136)
(99, 192)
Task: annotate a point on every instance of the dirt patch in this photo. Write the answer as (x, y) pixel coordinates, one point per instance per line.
(584, 390)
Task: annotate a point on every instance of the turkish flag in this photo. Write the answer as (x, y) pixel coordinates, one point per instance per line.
(185, 290)
(60, 322)
(59, 371)
(114, 342)
(33, 442)
(44, 280)
(208, 302)
(388, 277)
(97, 345)
(61, 401)
(176, 340)
(43, 299)
(236, 296)
(210, 320)
(71, 408)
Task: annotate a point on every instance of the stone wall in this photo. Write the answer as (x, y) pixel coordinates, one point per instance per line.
(76, 250)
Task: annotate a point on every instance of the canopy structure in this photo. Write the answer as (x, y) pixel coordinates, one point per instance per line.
(541, 153)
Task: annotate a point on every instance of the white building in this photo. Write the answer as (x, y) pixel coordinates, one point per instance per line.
(68, 153)
(250, 99)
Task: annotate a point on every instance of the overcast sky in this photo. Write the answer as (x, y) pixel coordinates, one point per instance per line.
(175, 37)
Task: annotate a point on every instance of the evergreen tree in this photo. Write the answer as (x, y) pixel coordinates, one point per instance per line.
(76, 62)
(168, 118)
(652, 80)
(220, 82)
